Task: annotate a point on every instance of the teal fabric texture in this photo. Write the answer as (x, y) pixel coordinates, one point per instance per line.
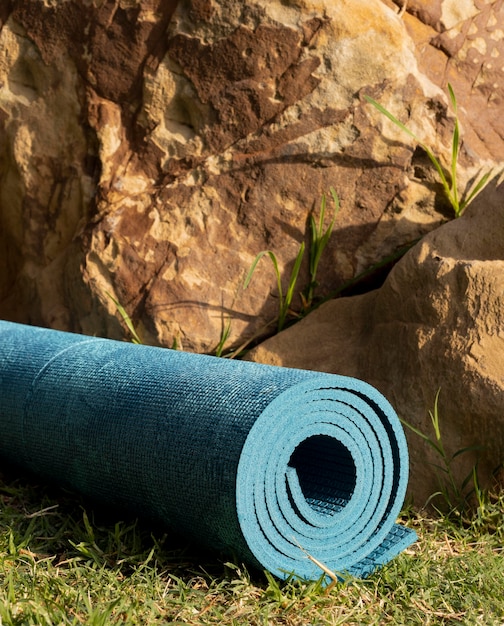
(267, 464)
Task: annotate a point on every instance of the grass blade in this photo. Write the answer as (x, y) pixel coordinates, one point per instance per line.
(318, 242)
(294, 274)
(429, 152)
(455, 153)
(452, 98)
(425, 437)
(324, 237)
(275, 266)
(440, 171)
(316, 235)
(290, 289)
(450, 188)
(392, 118)
(126, 318)
(434, 415)
(224, 336)
(475, 191)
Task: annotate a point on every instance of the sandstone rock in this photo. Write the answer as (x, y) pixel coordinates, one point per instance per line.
(151, 150)
(436, 323)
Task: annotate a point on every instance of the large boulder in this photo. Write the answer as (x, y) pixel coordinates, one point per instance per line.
(437, 323)
(150, 151)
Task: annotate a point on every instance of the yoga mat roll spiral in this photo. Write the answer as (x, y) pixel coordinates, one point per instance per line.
(268, 464)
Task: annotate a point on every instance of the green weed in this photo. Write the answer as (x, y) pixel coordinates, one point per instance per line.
(224, 336)
(126, 318)
(449, 182)
(454, 493)
(284, 301)
(319, 238)
(176, 343)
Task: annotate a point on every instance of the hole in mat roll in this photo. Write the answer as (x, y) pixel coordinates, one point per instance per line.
(326, 473)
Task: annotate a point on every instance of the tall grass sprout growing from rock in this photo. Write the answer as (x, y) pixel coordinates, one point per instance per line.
(284, 301)
(127, 320)
(224, 336)
(449, 181)
(319, 238)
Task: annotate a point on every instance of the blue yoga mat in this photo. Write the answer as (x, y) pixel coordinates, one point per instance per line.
(268, 464)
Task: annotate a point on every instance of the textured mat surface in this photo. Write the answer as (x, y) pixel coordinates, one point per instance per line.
(265, 463)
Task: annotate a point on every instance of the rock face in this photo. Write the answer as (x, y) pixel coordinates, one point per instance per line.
(150, 150)
(436, 323)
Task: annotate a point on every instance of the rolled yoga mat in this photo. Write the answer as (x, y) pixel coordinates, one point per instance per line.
(268, 464)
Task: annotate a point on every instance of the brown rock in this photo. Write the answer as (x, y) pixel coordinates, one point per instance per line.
(151, 150)
(465, 46)
(436, 323)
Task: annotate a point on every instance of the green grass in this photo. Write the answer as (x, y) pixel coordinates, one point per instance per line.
(459, 202)
(284, 300)
(319, 238)
(62, 562)
(126, 319)
(454, 494)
